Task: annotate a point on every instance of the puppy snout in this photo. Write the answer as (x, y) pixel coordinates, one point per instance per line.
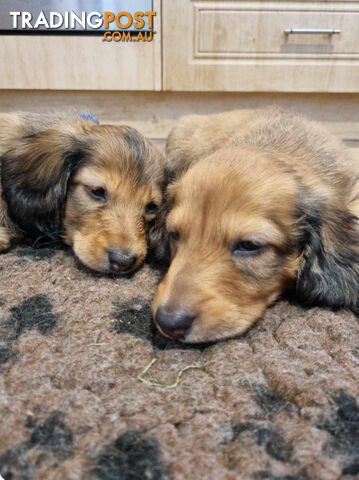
(121, 260)
(174, 323)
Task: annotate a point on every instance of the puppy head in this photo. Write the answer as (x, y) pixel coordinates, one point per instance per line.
(114, 200)
(97, 187)
(233, 248)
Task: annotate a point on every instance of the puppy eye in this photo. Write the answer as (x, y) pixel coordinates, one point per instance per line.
(98, 193)
(173, 234)
(246, 248)
(151, 208)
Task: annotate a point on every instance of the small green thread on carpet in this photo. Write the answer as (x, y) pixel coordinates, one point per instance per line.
(163, 385)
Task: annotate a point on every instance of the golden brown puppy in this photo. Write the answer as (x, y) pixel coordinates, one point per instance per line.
(266, 201)
(99, 188)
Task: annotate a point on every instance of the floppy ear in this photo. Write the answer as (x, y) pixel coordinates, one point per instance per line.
(34, 174)
(157, 239)
(329, 271)
(157, 236)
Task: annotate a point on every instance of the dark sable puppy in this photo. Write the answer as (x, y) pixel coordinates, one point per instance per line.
(99, 188)
(265, 201)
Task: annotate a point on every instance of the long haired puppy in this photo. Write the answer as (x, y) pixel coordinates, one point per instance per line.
(265, 201)
(98, 188)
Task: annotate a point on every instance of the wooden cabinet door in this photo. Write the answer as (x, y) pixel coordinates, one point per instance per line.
(213, 45)
(81, 62)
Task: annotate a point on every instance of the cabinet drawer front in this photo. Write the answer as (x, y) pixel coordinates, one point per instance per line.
(242, 46)
(230, 33)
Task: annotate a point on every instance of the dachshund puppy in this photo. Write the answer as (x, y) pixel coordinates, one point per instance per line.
(98, 188)
(265, 201)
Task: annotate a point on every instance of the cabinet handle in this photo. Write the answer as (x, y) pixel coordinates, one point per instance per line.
(320, 31)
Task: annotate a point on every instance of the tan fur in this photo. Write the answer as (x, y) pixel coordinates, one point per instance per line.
(110, 162)
(254, 175)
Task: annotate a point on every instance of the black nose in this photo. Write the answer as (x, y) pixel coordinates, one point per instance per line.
(174, 322)
(121, 260)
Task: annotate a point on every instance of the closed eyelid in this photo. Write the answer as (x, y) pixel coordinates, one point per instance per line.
(267, 233)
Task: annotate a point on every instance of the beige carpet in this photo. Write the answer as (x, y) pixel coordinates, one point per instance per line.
(279, 403)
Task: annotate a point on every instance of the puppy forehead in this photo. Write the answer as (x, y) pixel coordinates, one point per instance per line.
(237, 223)
(124, 149)
(90, 176)
(230, 198)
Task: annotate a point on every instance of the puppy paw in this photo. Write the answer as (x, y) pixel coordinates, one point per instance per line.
(5, 240)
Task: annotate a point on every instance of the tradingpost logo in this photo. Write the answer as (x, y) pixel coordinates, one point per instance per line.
(122, 26)
(137, 21)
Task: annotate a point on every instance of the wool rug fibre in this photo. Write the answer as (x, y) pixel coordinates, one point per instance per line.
(281, 402)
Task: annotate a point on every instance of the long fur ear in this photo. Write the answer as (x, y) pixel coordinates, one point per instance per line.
(329, 271)
(157, 236)
(34, 177)
(159, 248)
(158, 243)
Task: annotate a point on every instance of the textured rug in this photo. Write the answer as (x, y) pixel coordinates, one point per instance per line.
(281, 402)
